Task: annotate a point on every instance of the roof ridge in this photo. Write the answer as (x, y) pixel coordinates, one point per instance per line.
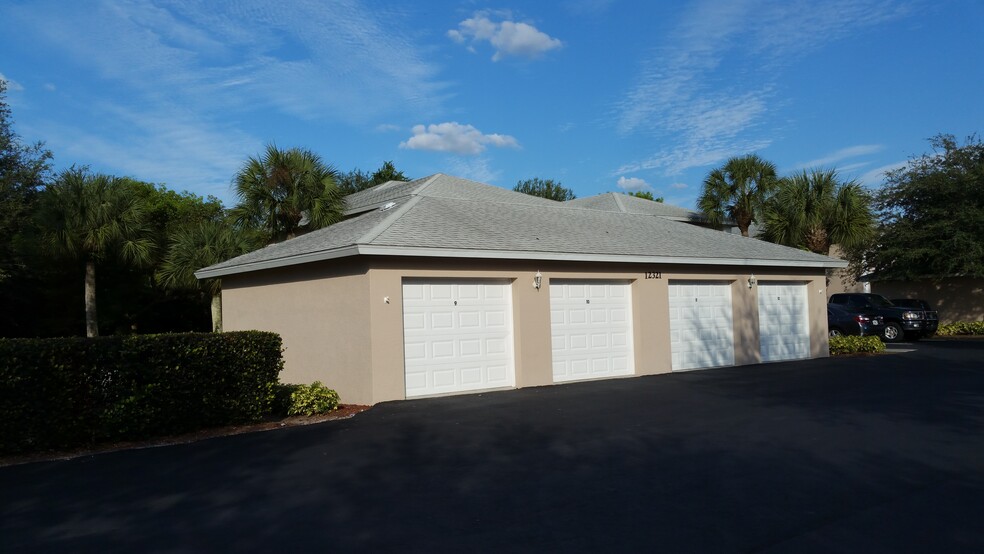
(430, 181)
(618, 202)
(380, 227)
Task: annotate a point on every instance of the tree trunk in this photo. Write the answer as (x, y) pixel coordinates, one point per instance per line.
(217, 312)
(91, 322)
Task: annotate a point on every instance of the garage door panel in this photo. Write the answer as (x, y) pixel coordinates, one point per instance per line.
(437, 292)
(578, 341)
(442, 350)
(496, 346)
(495, 318)
(701, 324)
(457, 337)
(471, 347)
(414, 322)
(591, 329)
(469, 319)
(441, 320)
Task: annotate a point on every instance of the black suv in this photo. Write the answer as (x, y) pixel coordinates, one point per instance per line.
(899, 322)
(932, 317)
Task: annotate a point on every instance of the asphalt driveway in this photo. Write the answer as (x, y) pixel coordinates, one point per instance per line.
(879, 454)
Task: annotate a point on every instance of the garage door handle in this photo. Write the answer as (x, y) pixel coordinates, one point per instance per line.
(455, 302)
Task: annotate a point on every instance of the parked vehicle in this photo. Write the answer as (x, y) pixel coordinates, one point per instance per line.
(840, 321)
(900, 323)
(932, 317)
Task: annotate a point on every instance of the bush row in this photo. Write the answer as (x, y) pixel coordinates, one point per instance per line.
(961, 328)
(67, 392)
(855, 345)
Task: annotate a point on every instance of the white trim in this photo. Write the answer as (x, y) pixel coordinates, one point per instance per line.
(278, 262)
(369, 250)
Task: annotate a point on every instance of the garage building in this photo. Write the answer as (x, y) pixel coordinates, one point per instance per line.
(444, 285)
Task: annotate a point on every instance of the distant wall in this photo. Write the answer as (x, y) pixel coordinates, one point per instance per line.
(957, 299)
(840, 280)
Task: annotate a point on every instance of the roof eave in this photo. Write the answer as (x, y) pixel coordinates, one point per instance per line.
(370, 250)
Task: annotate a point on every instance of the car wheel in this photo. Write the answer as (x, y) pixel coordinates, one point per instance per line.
(835, 332)
(893, 332)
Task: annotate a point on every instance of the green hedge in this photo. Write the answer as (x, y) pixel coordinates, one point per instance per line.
(67, 392)
(855, 345)
(961, 328)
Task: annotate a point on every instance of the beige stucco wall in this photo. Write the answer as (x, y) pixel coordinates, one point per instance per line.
(841, 280)
(956, 299)
(320, 310)
(342, 322)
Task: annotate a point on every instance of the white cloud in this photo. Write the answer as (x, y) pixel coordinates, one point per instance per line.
(310, 60)
(182, 151)
(633, 184)
(50, 87)
(11, 84)
(677, 99)
(842, 154)
(174, 68)
(679, 186)
(876, 176)
(387, 128)
(476, 169)
(509, 38)
(456, 138)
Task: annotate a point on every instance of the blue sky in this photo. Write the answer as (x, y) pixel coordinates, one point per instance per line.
(601, 95)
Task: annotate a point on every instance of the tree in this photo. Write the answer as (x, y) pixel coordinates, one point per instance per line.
(287, 192)
(814, 209)
(24, 170)
(737, 191)
(358, 180)
(201, 245)
(545, 189)
(90, 218)
(930, 216)
(646, 195)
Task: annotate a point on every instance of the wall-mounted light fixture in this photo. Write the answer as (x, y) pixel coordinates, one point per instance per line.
(537, 280)
(752, 280)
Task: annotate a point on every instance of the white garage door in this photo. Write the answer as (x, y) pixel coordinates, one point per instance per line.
(701, 328)
(784, 322)
(457, 336)
(591, 329)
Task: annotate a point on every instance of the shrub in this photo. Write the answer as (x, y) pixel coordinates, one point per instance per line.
(65, 392)
(282, 393)
(312, 399)
(961, 328)
(855, 345)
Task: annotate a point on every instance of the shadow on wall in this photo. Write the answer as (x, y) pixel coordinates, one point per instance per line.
(747, 342)
(956, 299)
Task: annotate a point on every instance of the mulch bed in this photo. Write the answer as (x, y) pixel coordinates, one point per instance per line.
(344, 411)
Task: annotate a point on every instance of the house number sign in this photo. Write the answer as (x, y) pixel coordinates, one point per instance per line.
(654, 275)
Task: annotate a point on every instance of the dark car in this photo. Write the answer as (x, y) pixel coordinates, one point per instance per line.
(932, 317)
(840, 321)
(900, 322)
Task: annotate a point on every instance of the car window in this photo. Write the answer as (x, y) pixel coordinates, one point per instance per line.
(879, 302)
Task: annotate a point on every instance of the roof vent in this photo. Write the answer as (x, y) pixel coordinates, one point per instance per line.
(387, 206)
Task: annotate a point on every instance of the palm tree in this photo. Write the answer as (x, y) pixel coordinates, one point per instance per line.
(89, 218)
(201, 245)
(813, 209)
(287, 192)
(737, 191)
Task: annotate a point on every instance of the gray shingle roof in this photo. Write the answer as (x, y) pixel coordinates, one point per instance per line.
(624, 203)
(445, 216)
